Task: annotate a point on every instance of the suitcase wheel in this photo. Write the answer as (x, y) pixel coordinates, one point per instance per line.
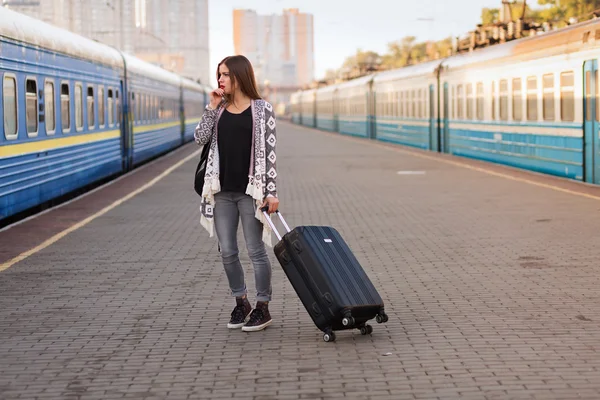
(329, 336)
(366, 330)
(348, 322)
(381, 318)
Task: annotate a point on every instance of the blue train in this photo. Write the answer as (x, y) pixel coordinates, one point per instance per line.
(76, 112)
(530, 103)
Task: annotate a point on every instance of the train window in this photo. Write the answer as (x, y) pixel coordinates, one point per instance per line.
(118, 107)
(588, 96)
(517, 99)
(597, 95)
(548, 99)
(460, 102)
(401, 104)
(78, 106)
(90, 108)
(49, 107)
(138, 108)
(65, 107)
(532, 97)
(480, 102)
(503, 103)
(101, 117)
(31, 106)
(453, 102)
(470, 101)
(111, 111)
(148, 117)
(493, 101)
(9, 93)
(567, 96)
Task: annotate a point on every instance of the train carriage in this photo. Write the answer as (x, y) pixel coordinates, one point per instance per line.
(406, 106)
(326, 108)
(60, 106)
(195, 99)
(296, 106)
(355, 107)
(524, 105)
(307, 103)
(155, 101)
(531, 103)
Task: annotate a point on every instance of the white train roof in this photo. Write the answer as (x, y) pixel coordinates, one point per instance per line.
(137, 66)
(29, 30)
(363, 80)
(426, 68)
(191, 85)
(327, 89)
(556, 42)
(307, 93)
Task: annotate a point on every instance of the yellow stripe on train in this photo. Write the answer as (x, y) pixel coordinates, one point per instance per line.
(53, 143)
(155, 127)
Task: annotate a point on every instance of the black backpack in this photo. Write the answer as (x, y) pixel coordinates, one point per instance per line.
(201, 169)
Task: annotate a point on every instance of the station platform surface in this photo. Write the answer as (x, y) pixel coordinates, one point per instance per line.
(490, 277)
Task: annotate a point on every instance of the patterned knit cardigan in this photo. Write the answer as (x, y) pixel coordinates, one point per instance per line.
(262, 173)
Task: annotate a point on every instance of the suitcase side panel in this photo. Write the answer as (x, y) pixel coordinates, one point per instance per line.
(304, 286)
(344, 274)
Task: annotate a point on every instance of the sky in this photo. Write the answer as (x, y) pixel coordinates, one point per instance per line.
(343, 26)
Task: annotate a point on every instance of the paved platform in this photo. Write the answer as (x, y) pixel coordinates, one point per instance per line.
(490, 277)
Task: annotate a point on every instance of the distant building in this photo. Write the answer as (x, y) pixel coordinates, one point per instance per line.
(169, 33)
(280, 47)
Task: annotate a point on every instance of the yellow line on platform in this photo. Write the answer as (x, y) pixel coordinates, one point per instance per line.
(89, 219)
(462, 165)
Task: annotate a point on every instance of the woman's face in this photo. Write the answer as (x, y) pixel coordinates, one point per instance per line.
(225, 82)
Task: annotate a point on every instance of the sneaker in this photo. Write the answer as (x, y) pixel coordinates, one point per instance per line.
(240, 313)
(259, 318)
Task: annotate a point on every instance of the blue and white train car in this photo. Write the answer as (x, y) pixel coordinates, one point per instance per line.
(326, 108)
(355, 107)
(309, 112)
(195, 99)
(60, 107)
(155, 101)
(522, 103)
(296, 106)
(406, 105)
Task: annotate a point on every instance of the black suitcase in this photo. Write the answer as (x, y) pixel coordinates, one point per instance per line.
(332, 285)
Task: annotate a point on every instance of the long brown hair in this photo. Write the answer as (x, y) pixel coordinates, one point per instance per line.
(241, 74)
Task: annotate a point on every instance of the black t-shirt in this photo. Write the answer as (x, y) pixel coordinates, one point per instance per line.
(235, 145)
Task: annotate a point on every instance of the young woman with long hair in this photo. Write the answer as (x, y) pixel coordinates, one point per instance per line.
(240, 176)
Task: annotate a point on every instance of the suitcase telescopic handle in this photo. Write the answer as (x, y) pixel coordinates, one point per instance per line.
(268, 217)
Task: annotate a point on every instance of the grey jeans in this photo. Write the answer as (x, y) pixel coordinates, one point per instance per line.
(230, 207)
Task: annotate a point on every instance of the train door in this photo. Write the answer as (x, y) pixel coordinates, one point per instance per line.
(433, 137)
(122, 105)
(314, 107)
(335, 112)
(445, 141)
(371, 117)
(591, 139)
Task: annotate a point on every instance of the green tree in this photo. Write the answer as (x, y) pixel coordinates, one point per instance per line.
(561, 11)
(490, 16)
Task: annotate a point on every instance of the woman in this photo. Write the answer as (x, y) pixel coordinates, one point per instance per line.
(239, 180)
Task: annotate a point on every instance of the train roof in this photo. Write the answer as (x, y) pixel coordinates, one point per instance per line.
(556, 42)
(137, 66)
(410, 71)
(327, 89)
(23, 28)
(357, 82)
(187, 83)
(307, 93)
